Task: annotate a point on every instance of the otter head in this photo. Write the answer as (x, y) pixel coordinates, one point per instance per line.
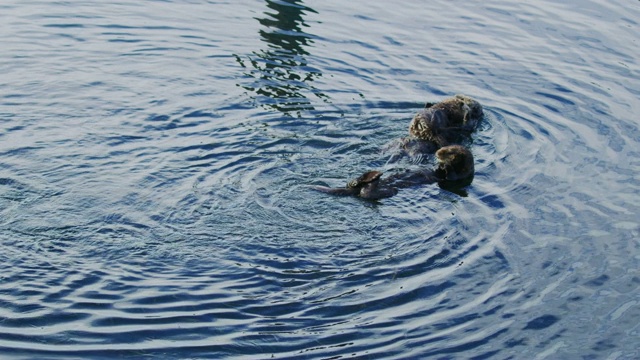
(455, 162)
(471, 111)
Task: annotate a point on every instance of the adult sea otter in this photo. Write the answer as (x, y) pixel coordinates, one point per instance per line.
(455, 162)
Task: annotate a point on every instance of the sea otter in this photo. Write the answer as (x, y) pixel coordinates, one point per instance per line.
(462, 111)
(438, 125)
(455, 162)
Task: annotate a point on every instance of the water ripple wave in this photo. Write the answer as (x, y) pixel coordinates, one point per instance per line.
(156, 160)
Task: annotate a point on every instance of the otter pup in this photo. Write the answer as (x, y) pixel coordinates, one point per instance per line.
(462, 111)
(430, 125)
(455, 162)
(438, 125)
(440, 122)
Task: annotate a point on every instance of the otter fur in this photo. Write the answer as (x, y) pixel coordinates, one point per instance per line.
(455, 162)
(438, 125)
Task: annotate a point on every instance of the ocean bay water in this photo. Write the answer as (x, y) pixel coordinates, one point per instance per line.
(156, 158)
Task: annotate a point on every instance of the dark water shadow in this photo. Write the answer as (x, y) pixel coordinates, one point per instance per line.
(281, 74)
(541, 322)
(458, 187)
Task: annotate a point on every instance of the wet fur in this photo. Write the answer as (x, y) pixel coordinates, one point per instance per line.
(447, 122)
(455, 163)
(431, 129)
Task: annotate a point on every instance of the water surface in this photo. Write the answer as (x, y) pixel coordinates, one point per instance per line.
(156, 159)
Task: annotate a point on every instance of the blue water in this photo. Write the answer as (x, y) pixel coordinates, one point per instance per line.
(156, 159)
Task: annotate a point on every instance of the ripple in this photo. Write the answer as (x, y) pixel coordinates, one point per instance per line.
(155, 200)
